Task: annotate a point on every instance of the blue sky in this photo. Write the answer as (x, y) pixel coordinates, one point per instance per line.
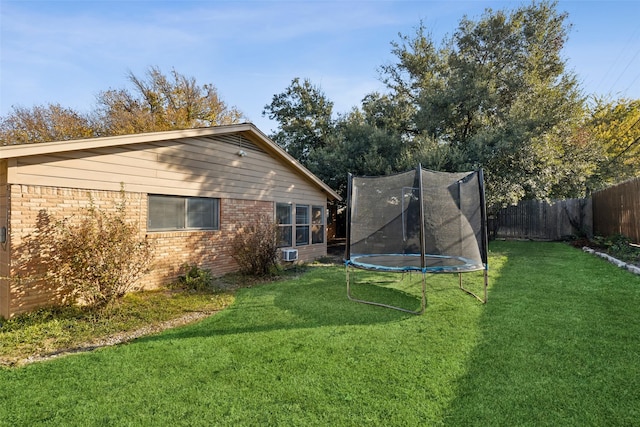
(68, 51)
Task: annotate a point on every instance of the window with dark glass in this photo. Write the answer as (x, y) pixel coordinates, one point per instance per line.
(302, 225)
(285, 224)
(317, 224)
(179, 213)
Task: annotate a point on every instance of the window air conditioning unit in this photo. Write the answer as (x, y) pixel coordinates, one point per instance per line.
(289, 254)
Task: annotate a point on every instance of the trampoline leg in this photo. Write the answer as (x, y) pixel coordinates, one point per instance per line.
(486, 284)
(424, 293)
(482, 299)
(423, 303)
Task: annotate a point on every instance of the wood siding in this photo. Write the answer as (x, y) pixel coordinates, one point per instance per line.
(206, 166)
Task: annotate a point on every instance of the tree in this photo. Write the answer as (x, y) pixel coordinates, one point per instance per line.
(492, 96)
(372, 149)
(305, 119)
(42, 123)
(121, 113)
(360, 148)
(369, 141)
(157, 103)
(613, 128)
(161, 102)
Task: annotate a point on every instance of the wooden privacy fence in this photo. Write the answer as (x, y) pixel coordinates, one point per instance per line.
(539, 220)
(617, 210)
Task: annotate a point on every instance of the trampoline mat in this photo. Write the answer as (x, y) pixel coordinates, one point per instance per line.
(411, 262)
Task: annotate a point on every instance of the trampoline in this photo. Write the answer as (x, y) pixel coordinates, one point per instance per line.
(418, 221)
(412, 262)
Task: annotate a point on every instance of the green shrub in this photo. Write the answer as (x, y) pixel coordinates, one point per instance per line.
(618, 246)
(95, 257)
(255, 247)
(196, 278)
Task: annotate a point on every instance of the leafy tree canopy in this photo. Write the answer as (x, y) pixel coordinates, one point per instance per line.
(159, 102)
(614, 130)
(495, 94)
(156, 102)
(44, 123)
(305, 119)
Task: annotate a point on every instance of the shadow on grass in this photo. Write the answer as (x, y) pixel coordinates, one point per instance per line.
(558, 344)
(317, 298)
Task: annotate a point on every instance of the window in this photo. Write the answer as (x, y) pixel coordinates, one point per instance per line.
(179, 213)
(284, 219)
(302, 225)
(317, 224)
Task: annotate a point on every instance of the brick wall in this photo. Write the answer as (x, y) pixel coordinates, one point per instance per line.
(206, 249)
(172, 250)
(27, 203)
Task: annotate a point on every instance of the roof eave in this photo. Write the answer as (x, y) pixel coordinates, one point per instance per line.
(13, 151)
(282, 154)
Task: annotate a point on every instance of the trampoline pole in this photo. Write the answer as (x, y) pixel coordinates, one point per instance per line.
(485, 232)
(479, 298)
(347, 247)
(423, 262)
(424, 293)
(348, 283)
(486, 284)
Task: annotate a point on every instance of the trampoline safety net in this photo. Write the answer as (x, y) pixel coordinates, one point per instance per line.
(421, 220)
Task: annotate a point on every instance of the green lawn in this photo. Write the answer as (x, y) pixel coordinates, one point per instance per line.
(557, 344)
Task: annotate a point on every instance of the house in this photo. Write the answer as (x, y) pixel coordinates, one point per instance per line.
(210, 180)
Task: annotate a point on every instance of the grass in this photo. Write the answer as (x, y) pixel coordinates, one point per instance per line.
(557, 344)
(55, 329)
